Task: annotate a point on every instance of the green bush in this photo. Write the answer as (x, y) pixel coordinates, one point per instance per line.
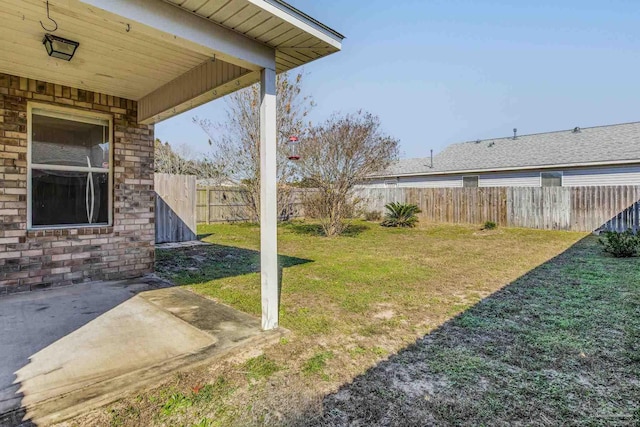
(621, 245)
(372, 215)
(489, 225)
(400, 215)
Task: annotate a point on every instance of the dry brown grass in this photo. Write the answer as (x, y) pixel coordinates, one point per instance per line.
(350, 303)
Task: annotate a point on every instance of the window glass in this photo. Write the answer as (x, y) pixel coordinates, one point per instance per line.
(69, 198)
(469, 181)
(58, 141)
(551, 179)
(69, 167)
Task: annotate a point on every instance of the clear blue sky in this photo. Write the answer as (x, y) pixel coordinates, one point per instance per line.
(445, 71)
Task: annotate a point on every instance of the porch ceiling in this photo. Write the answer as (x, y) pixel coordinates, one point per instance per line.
(109, 60)
(296, 37)
(159, 52)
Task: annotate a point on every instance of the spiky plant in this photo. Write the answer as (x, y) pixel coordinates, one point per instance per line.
(400, 215)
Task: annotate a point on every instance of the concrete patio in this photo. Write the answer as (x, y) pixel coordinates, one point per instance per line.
(70, 349)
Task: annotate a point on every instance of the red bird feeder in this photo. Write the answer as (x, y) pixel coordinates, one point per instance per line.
(294, 148)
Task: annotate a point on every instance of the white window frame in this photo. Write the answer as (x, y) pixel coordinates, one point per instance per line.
(72, 114)
(391, 183)
(477, 177)
(561, 178)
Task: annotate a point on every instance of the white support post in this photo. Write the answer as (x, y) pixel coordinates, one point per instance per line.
(268, 201)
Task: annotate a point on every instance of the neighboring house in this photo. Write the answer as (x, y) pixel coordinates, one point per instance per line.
(82, 82)
(596, 156)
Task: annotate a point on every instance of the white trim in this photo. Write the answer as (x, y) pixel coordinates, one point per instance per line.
(68, 226)
(71, 114)
(551, 171)
(301, 21)
(40, 166)
(56, 113)
(170, 23)
(519, 168)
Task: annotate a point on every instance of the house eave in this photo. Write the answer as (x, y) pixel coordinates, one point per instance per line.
(301, 16)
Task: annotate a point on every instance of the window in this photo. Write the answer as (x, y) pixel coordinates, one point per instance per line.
(551, 179)
(69, 178)
(470, 181)
(391, 183)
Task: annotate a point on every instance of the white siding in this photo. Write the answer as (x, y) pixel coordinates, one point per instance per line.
(611, 175)
(572, 177)
(510, 179)
(440, 181)
(498, 179)
(373, 183)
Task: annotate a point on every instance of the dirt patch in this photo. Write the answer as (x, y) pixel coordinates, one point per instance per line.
(394, 337)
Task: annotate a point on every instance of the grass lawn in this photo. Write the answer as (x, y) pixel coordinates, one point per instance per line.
(376, 317)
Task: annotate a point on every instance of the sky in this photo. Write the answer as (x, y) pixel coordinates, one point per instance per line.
(438, 72)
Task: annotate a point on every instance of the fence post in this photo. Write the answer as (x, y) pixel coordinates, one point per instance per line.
(208, 191)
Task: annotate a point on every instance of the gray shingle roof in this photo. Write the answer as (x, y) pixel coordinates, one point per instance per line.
(600, 144)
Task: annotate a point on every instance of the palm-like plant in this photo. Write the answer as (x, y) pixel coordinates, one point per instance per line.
(400, 215)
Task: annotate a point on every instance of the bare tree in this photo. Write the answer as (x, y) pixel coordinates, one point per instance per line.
(168, 160)
(236, 142)
(337, 155)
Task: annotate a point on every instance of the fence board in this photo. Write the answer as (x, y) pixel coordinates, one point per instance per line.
(559, 208)
(175, 207)
(450, 205)
(556, 208)
(228, 204)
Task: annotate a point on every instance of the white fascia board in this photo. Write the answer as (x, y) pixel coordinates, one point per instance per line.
(299, 20)
(170, 24)
(520, 168)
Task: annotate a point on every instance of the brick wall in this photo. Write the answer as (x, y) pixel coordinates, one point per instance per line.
(36, 259)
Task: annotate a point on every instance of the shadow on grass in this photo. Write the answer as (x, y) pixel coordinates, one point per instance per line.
(558, 346)
(203, 236)
(303, 228)
(197, 264)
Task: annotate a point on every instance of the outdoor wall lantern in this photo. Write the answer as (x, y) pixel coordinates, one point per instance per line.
(58, 47)
(294, 148)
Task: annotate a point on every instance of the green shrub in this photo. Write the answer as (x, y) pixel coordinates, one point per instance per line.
(372, 215)
(621, 245)
(400, 215)
(489, 225)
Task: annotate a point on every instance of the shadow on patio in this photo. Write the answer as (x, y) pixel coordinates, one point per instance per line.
(560, 345)
(69, 349)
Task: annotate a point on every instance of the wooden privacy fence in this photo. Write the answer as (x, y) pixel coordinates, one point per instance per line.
(229, 204)
(556, 208)
(175, 208)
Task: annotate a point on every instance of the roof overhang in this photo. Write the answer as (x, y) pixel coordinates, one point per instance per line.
(296, 37)
(163, 54)
(519, 168)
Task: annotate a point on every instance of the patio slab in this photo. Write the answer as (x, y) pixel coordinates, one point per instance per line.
(71, 349)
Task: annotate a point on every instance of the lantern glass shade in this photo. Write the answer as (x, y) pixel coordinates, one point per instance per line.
(57, 47)
(294, 148)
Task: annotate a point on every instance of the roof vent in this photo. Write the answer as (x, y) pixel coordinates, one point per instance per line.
(491, 144)
(478, 141)
(515, 133)
(576, 129)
